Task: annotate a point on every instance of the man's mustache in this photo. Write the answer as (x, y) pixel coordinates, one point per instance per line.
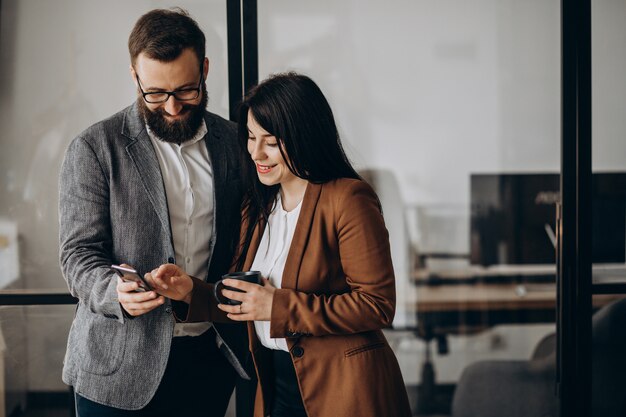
(185, 110)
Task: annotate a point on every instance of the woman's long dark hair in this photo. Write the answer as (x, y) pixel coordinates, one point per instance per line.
(292, 108)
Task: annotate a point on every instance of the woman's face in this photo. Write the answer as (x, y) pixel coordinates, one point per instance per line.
(264, 151)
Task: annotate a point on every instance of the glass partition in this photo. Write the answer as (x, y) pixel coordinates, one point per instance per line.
(31, 357)
(609, 201)
(64, 66)
(452, 111)
(608, 144)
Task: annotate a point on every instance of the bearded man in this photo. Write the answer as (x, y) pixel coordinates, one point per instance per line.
(157, 182)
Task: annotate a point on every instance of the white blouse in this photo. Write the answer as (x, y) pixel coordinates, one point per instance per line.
(270, 260)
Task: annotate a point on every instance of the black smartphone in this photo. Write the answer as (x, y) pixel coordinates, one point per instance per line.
(131, 275)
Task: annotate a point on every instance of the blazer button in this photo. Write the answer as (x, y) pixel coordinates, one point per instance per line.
(168, 310)
(297, 351)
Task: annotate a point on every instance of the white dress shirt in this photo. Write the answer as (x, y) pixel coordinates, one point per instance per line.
(270, 260)
(188, 180)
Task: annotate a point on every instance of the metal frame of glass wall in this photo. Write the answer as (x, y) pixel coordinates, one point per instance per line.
(574, 217)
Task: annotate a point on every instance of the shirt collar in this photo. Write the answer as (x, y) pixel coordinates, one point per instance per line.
(278, 209)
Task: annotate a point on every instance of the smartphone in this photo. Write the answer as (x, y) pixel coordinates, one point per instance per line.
(131, 275)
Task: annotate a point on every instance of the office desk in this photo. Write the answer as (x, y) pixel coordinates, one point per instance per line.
(466, 308)
(484, 297)
(471, 274)
(474, 298)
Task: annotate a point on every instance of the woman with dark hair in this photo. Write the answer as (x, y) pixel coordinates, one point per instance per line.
(315, 231)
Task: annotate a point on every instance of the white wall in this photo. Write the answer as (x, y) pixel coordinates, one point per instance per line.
(432, 90)
(608, 73)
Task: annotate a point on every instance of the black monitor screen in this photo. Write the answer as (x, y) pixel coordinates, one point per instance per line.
(513, 218)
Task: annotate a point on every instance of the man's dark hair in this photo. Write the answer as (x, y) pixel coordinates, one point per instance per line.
(163, 34)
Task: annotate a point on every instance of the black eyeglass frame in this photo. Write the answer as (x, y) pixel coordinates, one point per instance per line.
(172, 93)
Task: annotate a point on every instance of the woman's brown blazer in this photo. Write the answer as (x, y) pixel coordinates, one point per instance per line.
(338, 292)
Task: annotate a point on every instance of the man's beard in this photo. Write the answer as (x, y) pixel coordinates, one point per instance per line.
(177, 131)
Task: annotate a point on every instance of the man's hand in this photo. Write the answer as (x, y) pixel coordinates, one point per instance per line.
(137, 303)
(172, 282)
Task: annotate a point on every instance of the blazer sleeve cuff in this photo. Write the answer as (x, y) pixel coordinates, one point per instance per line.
(280, 326)
(199, 307)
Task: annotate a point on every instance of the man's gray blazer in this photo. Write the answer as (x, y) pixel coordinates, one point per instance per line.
(113, 209)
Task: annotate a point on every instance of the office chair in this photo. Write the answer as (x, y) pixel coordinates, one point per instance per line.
(509, 388)
(526, 388)
(608, 370)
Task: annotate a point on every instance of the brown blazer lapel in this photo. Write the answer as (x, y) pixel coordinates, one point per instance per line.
(254, 245)
(301, 236)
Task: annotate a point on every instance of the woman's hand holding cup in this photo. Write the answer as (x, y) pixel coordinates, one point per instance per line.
(246, 301)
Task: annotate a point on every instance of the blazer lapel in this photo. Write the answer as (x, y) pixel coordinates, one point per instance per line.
(255, 241)
(216, 143)
(254, 245)
(217, 154)
(143, 155)
(301, 236)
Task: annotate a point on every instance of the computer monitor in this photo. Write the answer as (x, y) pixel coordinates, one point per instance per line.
(513, 218)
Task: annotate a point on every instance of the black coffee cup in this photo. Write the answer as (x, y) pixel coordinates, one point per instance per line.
(253, 277)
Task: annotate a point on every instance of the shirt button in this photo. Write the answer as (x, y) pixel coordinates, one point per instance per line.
(297, 351)
(188, 260)
(168, 310)
(190, 221)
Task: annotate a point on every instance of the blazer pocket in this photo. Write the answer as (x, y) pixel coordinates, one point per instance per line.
(364, 348)
(102, 344)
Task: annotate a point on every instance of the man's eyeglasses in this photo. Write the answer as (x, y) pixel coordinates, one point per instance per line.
(184, 94)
